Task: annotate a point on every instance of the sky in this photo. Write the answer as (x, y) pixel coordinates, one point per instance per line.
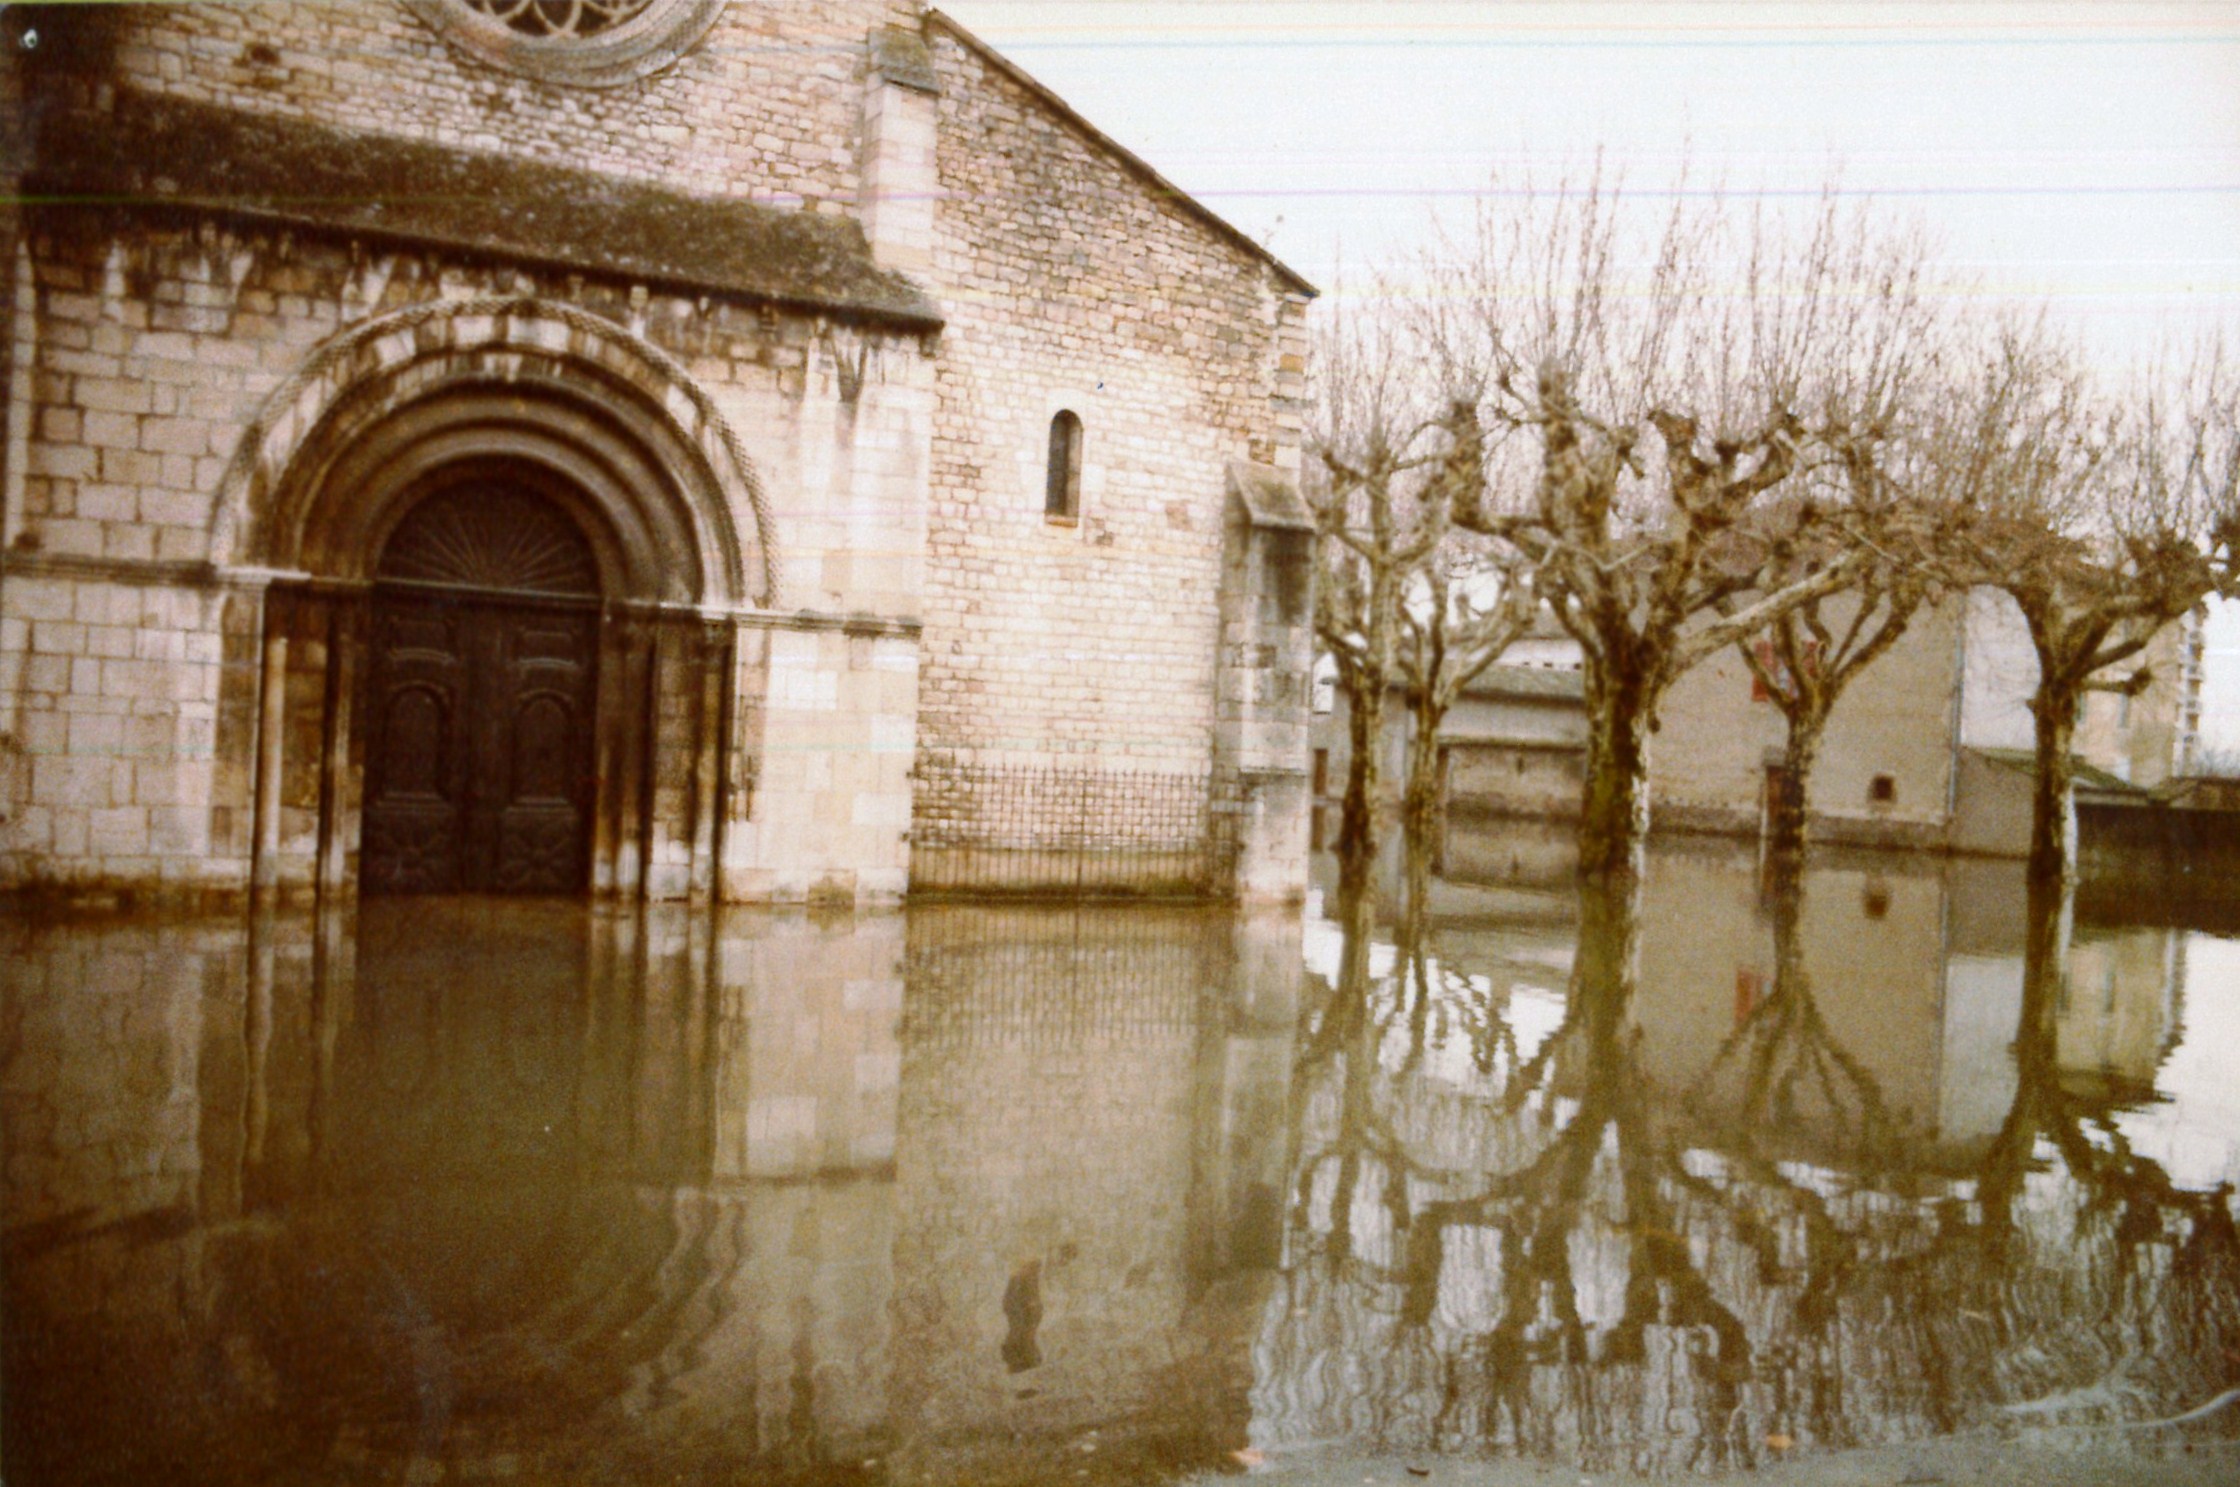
(2087, 154)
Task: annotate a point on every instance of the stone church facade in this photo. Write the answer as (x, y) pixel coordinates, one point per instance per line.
(645, 447)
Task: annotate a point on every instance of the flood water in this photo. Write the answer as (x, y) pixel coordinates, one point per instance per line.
(478, 1190)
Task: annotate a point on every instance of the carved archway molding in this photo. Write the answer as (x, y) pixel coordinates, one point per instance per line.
(330, 460)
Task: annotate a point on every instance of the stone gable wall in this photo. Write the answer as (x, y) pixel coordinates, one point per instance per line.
(2154, 737)
(768, 104)
(1896, 719)
(1068, 284)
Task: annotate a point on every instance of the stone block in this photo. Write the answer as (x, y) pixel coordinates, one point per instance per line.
(112, 640)
(46, 674)
(36, 598)
(96, 734)
(61, 780)
(174, 507)
(188, 436)
(891, 812)
(64, 462)
(156, 645)
(118, 831)
(44, 732)
(31, 829)
(128, 540)
(177, 831)
(111, 395)
(164, 782)
(58, 638)
(112, 431)
(182, 544)
(135, 679)
(72, 538)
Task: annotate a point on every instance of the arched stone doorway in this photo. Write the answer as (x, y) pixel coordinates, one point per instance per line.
(517, 576)
(481, 694)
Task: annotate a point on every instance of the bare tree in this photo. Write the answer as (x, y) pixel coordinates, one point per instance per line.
(1669, 417)
(2105, 519)
(1391, 464)
(1469, 604)
(1897, 529)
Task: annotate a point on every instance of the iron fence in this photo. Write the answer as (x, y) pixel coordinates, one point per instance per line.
(1071, 831)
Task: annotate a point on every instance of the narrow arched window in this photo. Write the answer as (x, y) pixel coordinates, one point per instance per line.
(1061, 491)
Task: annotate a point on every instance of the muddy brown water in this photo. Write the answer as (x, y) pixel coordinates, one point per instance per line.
(459, 1189)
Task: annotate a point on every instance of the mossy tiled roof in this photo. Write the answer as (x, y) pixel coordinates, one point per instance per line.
(1555, 683)
(164, 152)
(2089, 777)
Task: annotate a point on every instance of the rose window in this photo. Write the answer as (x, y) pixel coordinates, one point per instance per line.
(560, 17)
(575, 43)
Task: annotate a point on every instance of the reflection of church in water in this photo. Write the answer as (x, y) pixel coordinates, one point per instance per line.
(654, 1186)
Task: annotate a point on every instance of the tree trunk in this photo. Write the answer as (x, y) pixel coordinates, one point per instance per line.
(1357, 832)
(1614, 819)
(1420, 815)
(1366, 683)
(2053, 804)
(1785, 889)
(1786, 817)
(2037, 1092)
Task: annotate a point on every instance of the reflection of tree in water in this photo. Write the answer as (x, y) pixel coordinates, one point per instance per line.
(1781, 1070)
(2163, 1277)
(1506, 1243)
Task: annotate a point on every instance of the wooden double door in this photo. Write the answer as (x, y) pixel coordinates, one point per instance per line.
(479, 767)
(480, 707)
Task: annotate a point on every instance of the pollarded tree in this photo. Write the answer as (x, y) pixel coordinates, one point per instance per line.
(1898, 529)
(1391, 463)
(2105, 519)
(1669, 415)
(1468, 603)
(1803, 664)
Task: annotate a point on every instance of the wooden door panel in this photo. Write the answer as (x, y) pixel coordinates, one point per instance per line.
(540, 776)
(478, 773)
(411, 849)
(415, 751)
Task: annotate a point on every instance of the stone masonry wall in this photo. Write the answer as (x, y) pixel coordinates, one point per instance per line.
(2145, 742)
(768, 104)
(148, 341)
(112, 701)
(153, 347)
(1069, 284)
(2148, 738)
